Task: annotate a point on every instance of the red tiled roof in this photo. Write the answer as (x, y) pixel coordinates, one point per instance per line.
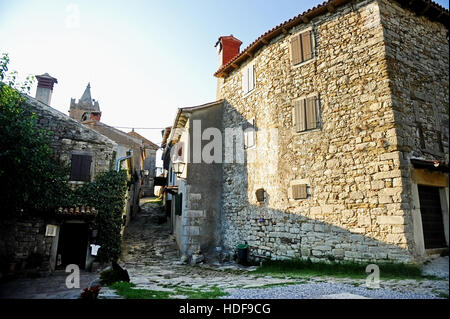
(144, 140)
(428, 8)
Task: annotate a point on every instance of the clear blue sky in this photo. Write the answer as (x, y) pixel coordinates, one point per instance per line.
(144, 59)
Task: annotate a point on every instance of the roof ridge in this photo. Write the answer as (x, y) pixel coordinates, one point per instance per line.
(316, 11)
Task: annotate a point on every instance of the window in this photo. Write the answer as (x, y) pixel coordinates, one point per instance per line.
(302, 47)
(248, 79)
(306, 114)
(250, 134)
(299, 191)
(81, 168)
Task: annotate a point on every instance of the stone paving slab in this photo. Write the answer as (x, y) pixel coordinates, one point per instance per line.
(51, 287)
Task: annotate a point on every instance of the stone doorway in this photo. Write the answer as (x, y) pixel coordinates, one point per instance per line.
(72, 245)
(432, 217)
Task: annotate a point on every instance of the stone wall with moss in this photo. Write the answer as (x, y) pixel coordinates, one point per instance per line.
(355, 207)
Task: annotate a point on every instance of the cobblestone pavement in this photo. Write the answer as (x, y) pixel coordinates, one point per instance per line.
(151, 257)
(51, 287)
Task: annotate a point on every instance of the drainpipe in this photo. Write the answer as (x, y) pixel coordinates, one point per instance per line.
(122, 159)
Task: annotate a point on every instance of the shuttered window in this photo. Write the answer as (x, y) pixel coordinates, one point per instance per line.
(81, 168)
(250, 134)
(301, 47)
(299, 191)
(179, 204)
(248, 79)
(306, 114)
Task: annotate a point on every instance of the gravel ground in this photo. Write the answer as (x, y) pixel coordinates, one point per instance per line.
(437, 267)
(320, 291)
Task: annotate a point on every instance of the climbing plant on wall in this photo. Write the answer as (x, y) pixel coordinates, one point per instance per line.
(30, 179)
(107, 193)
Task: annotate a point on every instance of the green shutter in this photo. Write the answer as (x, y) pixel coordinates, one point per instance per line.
(178, 204)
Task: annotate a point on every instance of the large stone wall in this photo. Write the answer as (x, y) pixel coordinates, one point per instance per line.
(351, 164)
(417, 53)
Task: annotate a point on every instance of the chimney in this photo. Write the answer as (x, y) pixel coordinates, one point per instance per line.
(227, 49)
(45, 88)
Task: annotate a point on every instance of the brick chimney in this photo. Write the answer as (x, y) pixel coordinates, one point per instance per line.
(227, 49)
(45, 88)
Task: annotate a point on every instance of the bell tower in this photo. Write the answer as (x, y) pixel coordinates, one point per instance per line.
(87, 108)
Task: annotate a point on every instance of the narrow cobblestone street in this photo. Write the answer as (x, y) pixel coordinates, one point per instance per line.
(51, 287)
(151, 258)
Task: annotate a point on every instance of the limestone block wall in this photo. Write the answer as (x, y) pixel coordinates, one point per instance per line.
(351, 164)
(417, 53)
(20, 240)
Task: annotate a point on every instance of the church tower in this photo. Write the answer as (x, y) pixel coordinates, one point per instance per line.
(86, 108)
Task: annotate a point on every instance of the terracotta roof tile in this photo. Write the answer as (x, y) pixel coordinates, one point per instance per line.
(76, 210)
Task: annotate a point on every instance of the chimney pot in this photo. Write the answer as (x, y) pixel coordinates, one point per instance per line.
(45, 87)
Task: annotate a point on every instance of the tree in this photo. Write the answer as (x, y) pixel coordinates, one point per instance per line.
(30, 179)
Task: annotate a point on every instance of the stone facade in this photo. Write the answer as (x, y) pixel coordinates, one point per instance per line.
(374, 64)
(200, 184)
(24, 238)
(23, 244)
(69, 136)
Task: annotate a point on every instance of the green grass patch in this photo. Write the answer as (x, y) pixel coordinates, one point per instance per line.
(442, 294)
(128, 291)
(299, 268)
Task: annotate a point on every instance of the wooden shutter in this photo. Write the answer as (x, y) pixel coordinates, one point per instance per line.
(251, 77)
(296, 50)
(299, 112)
(306, 45)
(86, 161)
(178, 204)
(311, 114)
(249, 134)
(245, 80)
(81, 167)
(299, 191)
(75, 171)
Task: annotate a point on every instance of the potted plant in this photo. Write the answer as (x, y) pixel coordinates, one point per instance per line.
(90, 293)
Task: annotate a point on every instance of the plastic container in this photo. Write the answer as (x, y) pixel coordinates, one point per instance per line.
(242, 254)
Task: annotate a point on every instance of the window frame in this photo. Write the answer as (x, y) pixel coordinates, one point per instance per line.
(246, 70)
(75, 178)
(313, 46)
(317, 105)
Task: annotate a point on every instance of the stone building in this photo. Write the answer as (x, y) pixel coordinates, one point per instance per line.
(141, 151)
(148, 165)
(86, 108)
(349, 102)
(193, 187)
(51, 241)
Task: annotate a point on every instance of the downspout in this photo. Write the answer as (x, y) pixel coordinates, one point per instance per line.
(121, 159)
